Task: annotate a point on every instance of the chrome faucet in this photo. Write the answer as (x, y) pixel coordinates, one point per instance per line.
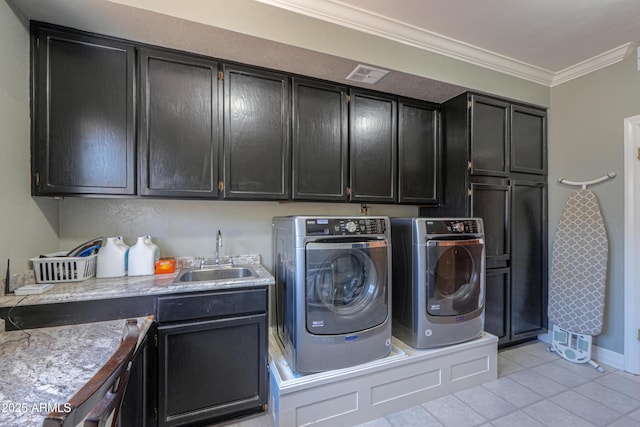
(218, 245)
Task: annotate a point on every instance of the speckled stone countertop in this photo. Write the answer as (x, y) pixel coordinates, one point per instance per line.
(48, 366)
(93, 289)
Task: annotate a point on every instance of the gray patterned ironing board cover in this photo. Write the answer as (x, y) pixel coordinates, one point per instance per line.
(579, 266)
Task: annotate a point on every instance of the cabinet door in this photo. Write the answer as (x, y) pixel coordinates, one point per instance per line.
(528, 140)
(496, 311)
(320, 141)
(491, 203)
(528, 259)
(212, 369)
(83, 101)
(418, 152)
(256, 134)
(373, 147)
(139, 398)
(179, 129)
(489, 136)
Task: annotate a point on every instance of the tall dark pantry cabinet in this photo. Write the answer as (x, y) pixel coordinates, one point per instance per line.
(495, 168)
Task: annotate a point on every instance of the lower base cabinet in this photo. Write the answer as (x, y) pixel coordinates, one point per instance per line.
(138, 403)
(212, 356)
(204, 360)
(497, 317)
(211, 370)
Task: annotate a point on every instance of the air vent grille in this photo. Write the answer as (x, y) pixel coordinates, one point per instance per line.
(366, 74)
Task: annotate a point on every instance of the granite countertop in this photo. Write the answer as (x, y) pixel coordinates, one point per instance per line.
(49, 365)
(94, 289)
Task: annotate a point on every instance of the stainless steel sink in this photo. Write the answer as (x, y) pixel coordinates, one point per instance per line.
(216, 273)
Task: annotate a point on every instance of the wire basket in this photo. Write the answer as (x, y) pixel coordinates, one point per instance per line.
(56, 269)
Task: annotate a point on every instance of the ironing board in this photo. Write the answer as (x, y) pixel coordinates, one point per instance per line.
(578, 278)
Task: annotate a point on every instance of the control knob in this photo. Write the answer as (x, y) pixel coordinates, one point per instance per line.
(351, 226)
(457, 227)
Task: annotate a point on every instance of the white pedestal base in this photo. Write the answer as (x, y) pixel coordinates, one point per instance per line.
(405, 378)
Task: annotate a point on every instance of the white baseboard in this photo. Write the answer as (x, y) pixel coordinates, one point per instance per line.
(599, 354)
(546, 337)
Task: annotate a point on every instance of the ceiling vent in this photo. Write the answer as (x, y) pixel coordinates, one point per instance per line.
(366, 74)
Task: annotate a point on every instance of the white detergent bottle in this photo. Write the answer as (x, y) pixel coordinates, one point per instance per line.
(142, 257)
(156, 251)
(112, 258)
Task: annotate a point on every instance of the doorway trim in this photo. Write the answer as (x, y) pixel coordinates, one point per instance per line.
(632, 244)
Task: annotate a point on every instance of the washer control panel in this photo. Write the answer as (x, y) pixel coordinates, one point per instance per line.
(344, 226)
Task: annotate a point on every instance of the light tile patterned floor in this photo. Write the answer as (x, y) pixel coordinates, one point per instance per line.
(534, 388)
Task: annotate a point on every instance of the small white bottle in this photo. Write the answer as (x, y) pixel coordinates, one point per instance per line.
(142, 257)
(112, 258)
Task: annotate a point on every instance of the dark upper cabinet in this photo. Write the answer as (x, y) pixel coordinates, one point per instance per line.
(528, 258)
(372, 147)
(176, 126)
(489, 137)
(528, 140)
(418, 152)
(320, 141)
(257, 119)
(83, 130)
(179, 125)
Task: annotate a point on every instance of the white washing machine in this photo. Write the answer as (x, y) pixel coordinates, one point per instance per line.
(438, 280)
(332, 302)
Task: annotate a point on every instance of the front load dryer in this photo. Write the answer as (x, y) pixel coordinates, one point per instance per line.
(332, 303)
(438, 280)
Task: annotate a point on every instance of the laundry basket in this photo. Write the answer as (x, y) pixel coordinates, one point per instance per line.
(55, 268)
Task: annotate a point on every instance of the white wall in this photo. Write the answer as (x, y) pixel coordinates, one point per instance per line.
(188, 227)
(27, 227)
(586, 141)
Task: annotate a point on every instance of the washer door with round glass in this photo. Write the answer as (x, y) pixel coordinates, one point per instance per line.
(346, 286)
(455, 277)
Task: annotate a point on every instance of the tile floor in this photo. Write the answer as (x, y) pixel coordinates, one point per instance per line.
(534, 388)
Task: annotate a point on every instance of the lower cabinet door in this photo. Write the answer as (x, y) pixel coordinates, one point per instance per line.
(491, 203)
(496, 307)
(528, 259)
(211, 370)
(139, 401)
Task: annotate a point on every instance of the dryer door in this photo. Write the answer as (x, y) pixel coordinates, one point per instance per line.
(455, 277)
(346, 286)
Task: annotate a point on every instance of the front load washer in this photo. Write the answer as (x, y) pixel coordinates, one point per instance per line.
(332, 302)
(438, 280)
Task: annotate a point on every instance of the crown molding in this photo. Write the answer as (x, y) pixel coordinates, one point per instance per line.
(603, 60)
(381, 26)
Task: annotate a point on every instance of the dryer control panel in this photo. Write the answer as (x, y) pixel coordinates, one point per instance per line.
(454, 226)
(345, 226)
